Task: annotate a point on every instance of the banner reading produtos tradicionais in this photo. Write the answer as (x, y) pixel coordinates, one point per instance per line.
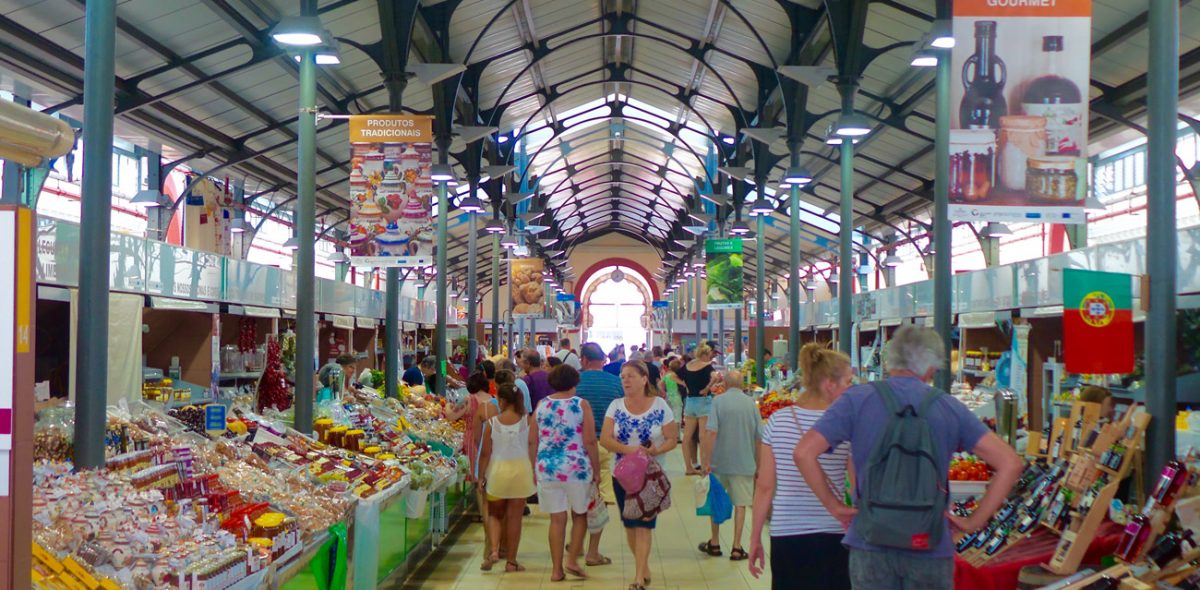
(1019, 104)
(391, 192)
(1097, 322)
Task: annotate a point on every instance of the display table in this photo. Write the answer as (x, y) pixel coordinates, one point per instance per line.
(1001, 573)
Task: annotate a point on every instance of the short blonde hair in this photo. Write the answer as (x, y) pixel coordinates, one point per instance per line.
(703, 349)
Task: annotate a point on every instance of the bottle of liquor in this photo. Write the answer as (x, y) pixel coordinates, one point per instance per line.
(1137, 531)
(1059, 101)
(997, 541)
(1030, 519)
(984, 75)
(1169, 547)
(1104, 583)
(1174, 475)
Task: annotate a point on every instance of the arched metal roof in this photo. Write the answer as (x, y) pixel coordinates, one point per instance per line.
(616, 101)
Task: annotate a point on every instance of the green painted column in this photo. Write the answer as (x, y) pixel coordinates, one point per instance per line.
(472, 287)
(942, 228)
(306, 215)
(495, 294)
(443, 211)
(91, 356)
(845, 250)
(794, 283)
(760, 292)
(1162, 242)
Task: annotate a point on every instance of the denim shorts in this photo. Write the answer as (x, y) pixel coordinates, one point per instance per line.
(697, 407)
(890, 570)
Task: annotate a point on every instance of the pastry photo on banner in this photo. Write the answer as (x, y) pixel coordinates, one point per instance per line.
(391, 191)
(528, 287)
(1019, 111)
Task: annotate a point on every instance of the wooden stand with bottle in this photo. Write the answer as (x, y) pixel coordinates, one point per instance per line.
(1092, 465)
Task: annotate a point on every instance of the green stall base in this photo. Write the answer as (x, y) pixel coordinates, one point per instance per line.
(303, 581)
(393, 539)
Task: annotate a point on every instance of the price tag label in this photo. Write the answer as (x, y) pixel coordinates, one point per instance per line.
(214, 417)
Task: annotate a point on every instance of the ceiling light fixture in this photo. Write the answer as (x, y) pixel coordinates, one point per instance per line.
(509, 240)
(494, 226)
(147, 198)
(299, 31)
(739, 228)
(292, 243)
(943, 35)
(761, 206)
(996, 229)
(339, 257)
(852, 125)
(891, 261)
(441, 173)
(797, 176)
(924, 58)
(471, 204)
(237, 226)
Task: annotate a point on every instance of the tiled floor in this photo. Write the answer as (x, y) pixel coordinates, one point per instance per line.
(675, 561)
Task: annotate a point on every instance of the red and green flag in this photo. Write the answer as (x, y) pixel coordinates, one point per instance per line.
(1097, 322)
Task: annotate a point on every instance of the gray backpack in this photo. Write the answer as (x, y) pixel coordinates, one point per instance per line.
(904, 490)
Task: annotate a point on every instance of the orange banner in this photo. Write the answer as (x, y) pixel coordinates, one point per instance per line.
(1023, 8)
(391, 129)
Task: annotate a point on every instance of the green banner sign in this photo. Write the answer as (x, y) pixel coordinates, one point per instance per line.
(725, 277)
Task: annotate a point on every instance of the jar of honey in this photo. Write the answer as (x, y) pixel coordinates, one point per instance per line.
(321, 426)
(1052, 178)
(353, 440)
(371, 451)
(336, 436)
(268, 525)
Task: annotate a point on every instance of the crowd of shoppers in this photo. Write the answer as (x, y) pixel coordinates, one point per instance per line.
(811, 469)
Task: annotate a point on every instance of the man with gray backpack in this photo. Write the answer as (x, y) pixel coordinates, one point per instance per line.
(902, 433)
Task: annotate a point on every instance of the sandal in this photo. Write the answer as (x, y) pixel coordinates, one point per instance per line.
(513, 566)
(709, 548)
(602, 561)
(578, 573)
(738, 554)
(488, 562)
(558, 579)
(636, 586)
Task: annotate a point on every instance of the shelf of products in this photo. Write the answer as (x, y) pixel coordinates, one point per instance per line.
(247, 508)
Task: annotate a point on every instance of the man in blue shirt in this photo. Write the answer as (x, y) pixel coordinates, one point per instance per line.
(600, 388)
(912, 357)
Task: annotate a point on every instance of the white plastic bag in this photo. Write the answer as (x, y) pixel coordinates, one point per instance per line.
(700, 491)
(597, 512)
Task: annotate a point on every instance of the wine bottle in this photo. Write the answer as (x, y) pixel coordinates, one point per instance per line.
(1059, 101)
(983, 77)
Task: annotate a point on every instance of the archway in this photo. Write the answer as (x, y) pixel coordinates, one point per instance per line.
(616, 302)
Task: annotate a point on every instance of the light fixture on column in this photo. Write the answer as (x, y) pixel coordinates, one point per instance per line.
(739, 228)
(996, 229)
(924, 58)
(797, 176)
(811, 285)
(942, 36)
(339, 257)
(147, 197)
(299, 31)
(852, 125)
(494, 226)
(471, 204)
(509, 240)
(761, 206)
(237, 226)
(832, 138)
(891, 261)
(834, 278)
(326, 53)
(292, 243)
(441, 173)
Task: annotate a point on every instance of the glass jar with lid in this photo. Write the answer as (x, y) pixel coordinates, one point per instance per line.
(972, 164)
(1052, 178)
(1021, 137)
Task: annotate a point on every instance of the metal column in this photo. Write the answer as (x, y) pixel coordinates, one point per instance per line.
(391, 334)
(472, 286)
(495, 294)
(306, 217)
(443, 210)
(760, 291)
(942, 229)
(738, 350)
(698, 292)
(91, 356)
(846, 254)
(1161, 239)
(794, 284)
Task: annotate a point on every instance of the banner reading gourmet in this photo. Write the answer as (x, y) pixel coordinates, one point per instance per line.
(1019, 104)
(391, 191)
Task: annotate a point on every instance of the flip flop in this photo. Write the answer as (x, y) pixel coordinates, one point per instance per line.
(599, 562)
(578, 573)
(513, 566)
(488, 563)
(558, 579)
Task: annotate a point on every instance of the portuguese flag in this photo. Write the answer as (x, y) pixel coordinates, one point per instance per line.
(1097, 322)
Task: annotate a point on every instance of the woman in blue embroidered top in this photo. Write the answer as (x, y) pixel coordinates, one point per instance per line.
(639, 422)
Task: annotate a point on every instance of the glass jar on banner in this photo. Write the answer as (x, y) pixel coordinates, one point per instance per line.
(972, 164)
(1021, 137)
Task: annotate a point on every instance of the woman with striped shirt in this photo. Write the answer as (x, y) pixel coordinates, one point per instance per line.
(806, 541)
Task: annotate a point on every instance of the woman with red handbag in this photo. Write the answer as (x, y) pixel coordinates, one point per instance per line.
(641, 423)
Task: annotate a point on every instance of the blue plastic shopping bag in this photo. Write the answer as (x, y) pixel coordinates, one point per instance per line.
(718, 505)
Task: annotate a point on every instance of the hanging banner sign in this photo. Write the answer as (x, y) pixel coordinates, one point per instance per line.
(723, 265)
(391, 191)
(660, 304)
(1097, 322)
(565, 309)
(528, 287)
(1019, 104)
